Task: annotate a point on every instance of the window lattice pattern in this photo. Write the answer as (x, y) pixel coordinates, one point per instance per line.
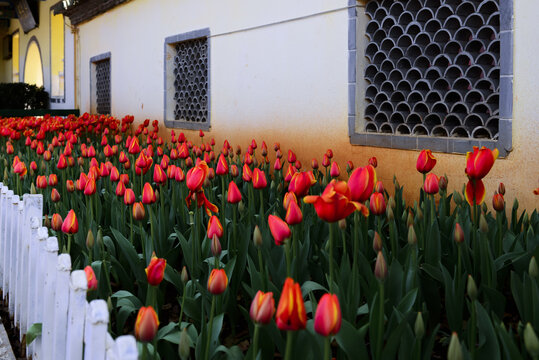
(102, 73)
(191, 80)
(434, 67)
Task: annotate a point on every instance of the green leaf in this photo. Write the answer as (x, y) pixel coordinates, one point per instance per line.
(33, 332)
(135, 263)
(490, 349)
(408, 301)
(351, 341)
(309, 286)
(511, 350)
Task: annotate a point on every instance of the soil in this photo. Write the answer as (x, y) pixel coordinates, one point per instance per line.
(19, 349)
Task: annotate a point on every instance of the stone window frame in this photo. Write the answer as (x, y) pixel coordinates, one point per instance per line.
(93, 90)
(168, 76)
(357, 20)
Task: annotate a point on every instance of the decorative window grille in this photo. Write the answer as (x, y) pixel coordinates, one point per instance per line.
(187, 80)
(433, 68)
(102, 88)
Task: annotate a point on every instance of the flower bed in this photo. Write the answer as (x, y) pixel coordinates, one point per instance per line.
(193, 247)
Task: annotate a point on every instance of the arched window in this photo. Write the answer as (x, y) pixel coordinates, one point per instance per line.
(33, 67)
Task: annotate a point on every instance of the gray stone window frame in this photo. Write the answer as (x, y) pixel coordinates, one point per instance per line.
(169, 102)
(357, 20)
(93, 85)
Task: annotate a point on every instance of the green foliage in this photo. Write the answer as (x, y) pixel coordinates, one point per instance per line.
(23, 96)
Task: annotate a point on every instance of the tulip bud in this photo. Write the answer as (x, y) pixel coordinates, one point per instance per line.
(146, 324)
(484, 207)
(457, 198)
(458, 234)
(262, 308)
(379, 187)
(419, 326)
(498, 202)
(138, 211)
(531, 341)
(156, 195)
(376, 242)
(533, 269)
(257, 236)
(241, 206)
(483, 226)
(391, 202)
(342, 224)
(380, 268)
(419, 214)
(515, 205)
(501, 189)
(471, 288)
(442, 183)
(99, 238)
(156, 270)
(412, 237)
(455, 350)
(217, 281)
(410, 219)
(33, 189)
(56, 223)
(215, 246)
(90, 240)
(373, 162)
(184, 348)
(389, 213)
(90, 277)
(184, 276)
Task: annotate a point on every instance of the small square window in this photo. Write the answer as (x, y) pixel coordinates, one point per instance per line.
(100, 84)
(187, 80)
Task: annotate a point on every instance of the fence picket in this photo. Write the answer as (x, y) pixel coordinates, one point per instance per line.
(97, 319)
(17, 269)
(76, 315)
(7, 235)
(125, 348)
(13, 251)
(48, 298)
(61, 304)
(31, 293)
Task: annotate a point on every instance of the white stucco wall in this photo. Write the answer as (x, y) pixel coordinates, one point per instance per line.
(287, 74)
(42, 35)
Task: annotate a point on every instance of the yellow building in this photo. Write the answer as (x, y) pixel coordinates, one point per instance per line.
(378, 78)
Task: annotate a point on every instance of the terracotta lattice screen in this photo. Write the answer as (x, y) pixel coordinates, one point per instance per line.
(433, 68)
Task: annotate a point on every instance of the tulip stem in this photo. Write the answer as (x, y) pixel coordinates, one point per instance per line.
(287, 255)
(289, 345)
(255, 341)
(131, 227)
(331, 235)
(327, 348)
(500, 233)
(472, 331)
(262, 270)
(261, 207)
(459, 265)
(210, 329)
(222, 210)
(69, 243)
(234, 229)
(183, 303)
(380, 335)
(343, 236)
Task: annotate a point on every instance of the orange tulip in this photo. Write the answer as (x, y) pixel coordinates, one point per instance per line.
(279, 229)
(90, 277)
(262, 308)
(293, 214)
(214, 227)
(291, 313)
(362, 182)
(129, 196)
(479, 163)
(233, 194)
(222, 166)
(53, 180)
(288, 198)
(301, 182)
(41, 182)
(155, 270)
(56, 222)
(70, 186)
(498, 202)
(377, 204)
(334, 204)
(148, 195)
(70, 224)
(327, 320)
(138, 211)
(259, 179)
(217, 282)
(55, 195)
(246, 174)
(475, 189)
(147, 324)
(431, 184)
(425, 161)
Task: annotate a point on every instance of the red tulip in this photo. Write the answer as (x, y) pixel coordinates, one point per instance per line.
(56, 222)
(314, 164)
(62, 162)
(114, 174)
(217, 282)
(479, 163)
(279, 229)
(291, 157)
(262, 308)
(222, 166)
(214, 227)
(125, 179)
(233, 194)
(246, 174)
(90, 187)
(277, 165)
(53, 180)
(129, 196)
(334, 204)
(134, 147)
(290, 172)
(293, 214)
(196, 176)
(362, 182)
(55, 195)
(475, 189)
(259, 179)
(301, 182)
(325, 161)
(373, 162)
(90, 277)
(156, 270)
(41, 182)
(148, 195)
(288, 198)
(147, 324)
(425, 161)
(327, 320)
(159, 175)
(431, 184)
(335, 170)
(377, 204)
(291, 313)
(70, 224)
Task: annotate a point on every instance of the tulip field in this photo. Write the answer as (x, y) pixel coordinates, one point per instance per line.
(213, 251)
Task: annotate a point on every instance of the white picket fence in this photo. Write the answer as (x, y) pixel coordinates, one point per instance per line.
(41, 288)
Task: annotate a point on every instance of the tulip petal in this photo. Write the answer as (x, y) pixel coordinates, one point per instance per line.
(475, 190)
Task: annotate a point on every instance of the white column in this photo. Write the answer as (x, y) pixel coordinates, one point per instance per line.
(18, 269)
(33, 259)
(76, 315)
(61, 303)
(13, 261)
(125, 348)
(33, 213)
(48, 298)
(39, 285)
(6, 234)
(97, 317)
(2, 240)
